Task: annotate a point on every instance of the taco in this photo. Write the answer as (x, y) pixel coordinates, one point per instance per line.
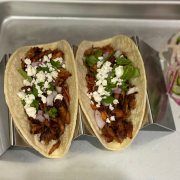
(112, 89)
(41, 92)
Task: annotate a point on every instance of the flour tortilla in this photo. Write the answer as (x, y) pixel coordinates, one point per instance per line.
(126, 45)
(12, 84)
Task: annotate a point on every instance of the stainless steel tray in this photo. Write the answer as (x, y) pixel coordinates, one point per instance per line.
(22, 23)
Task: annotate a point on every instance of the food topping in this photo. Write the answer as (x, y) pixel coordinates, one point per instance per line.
(45, 93)
(110, 90)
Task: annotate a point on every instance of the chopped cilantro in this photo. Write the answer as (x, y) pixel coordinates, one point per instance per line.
(55, 64)
(52, 112)
(130, 72)
(108, 100)
(35, 104)
(123, 61)
(91, 60)
(34, 91)
(51, 87)
(124, 86)
(44, 69)
(98, 53)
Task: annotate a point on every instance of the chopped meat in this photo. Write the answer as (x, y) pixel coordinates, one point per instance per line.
(54, 147)
(90, 82)
(62, 76)
(57, 53)
(120, 128)
(53, 127)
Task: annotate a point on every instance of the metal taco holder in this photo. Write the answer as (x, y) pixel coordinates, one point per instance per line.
(158, 115)
(153, 21)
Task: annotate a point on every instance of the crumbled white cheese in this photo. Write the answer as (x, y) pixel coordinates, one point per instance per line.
(58, 96)
(112, 118)
(49, 92)
(49, 56)
(46, 59)
(27, 61)
(43, 99)
(119, 71)
(29, 98)
(104, 82)
(97, 96)
(31, 111)
(40, 76)
(31, 71)
(101, 58)
(64, 66)
(108, 121)
(114, 80)
(54, 74)
(26, 82)
(115, 101)
(60, 59)
(39, 90)
(111, 107)
(49, 77)
(99, 63)
(46, 84)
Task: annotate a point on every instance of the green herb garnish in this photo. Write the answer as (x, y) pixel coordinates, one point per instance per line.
(98, 53)
(34, 91)
(123, 61)
(53, 112)
(108, 100)
(130, 72)
(91, 60)
(35, 104)
(44, 69)
(24, 75)
(55, 64)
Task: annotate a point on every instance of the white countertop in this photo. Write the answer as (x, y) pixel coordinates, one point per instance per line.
(152, 156)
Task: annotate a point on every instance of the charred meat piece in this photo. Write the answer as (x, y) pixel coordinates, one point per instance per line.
(54, 147)
(62, 76)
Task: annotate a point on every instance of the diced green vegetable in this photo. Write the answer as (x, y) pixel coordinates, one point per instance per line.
(91, 60)
(98, 53)
(53, 112)
(35, 104)
(123, 61)
(24, 75)
(34, 91)
(55, 64)
(178, 40)
(108, 100)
